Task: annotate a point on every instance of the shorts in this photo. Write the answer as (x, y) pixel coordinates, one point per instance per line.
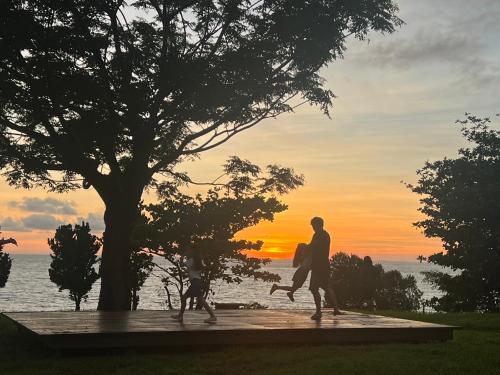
(319, 280)
(194, 289)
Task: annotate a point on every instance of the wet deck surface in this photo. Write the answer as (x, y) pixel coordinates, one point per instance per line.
(91, 329)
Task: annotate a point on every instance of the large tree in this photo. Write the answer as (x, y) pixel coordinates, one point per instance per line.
(460, 198)
(89, 90)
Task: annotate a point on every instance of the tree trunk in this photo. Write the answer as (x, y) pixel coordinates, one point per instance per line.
(77, 304)
(135, 299)
(119, 217)
(169, 299)
(191, 303)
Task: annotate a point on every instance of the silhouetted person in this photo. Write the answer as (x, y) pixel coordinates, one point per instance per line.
(320, 271)
(302, 260)
(368, 279)
(194, 265)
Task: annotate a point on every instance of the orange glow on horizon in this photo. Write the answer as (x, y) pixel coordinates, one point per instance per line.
(362, 219)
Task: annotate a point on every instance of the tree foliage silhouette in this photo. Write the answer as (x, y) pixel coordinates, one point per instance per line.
(460, 199)
(89, 93)
(211, 221)
(357, 286)
(5, 261)
(74, 255)
(141, 266)
(421, 258)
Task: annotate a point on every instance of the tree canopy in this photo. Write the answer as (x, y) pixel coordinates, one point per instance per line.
(460, 199)
(89, 90)
(86, 90)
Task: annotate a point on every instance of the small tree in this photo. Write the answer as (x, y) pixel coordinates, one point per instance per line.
(460, 199)
(210, 222)
(73, 260)
(5, 261)
(421, 258)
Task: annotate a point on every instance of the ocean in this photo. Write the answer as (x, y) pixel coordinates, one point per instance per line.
(30, 289)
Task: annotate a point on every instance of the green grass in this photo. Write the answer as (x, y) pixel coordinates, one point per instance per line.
(475, 350)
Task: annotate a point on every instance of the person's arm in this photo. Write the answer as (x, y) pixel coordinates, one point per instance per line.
(312, 244)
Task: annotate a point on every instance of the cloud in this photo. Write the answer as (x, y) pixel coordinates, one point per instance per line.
(95, 221)
(46, 205)
(44, 222)
(12, 225)
(31, 222)
(456, 41)
(426, 46)
(41, 222)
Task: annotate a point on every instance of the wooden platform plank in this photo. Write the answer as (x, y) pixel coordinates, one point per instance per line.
(91, 329)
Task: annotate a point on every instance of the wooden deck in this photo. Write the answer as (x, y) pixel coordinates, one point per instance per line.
(90, 329)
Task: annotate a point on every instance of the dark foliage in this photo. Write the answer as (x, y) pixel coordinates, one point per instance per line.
(460, 199)
(141, 266)
(89, 97)
(358, 284)
(5, 261)
(5, 265)
(74, 255)
(210, 223)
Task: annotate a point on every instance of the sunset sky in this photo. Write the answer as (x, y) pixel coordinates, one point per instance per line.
(397, 99)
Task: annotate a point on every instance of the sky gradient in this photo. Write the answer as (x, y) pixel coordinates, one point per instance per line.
(397, 99)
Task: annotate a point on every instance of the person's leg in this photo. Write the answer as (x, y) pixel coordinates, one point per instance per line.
(296, 286)
(333, 299)
(183, 304)
(276, 287)
(317, 302)
(180, 316)
(207, 307)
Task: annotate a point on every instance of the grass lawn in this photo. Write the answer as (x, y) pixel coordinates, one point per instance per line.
(475, 350)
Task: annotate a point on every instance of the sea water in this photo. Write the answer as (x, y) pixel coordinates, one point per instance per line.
(30, 289)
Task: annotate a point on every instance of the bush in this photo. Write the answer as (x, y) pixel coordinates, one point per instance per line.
(360, 284)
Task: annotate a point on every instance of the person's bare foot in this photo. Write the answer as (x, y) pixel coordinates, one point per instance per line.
(178, 317)
(290, 295)
(316, 316)
(273, 289)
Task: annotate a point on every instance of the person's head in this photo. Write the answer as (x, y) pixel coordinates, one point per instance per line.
(367, 261)
(193, 252)
(187, 251)
(301, 247)
(317, 223)
(300, 253)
